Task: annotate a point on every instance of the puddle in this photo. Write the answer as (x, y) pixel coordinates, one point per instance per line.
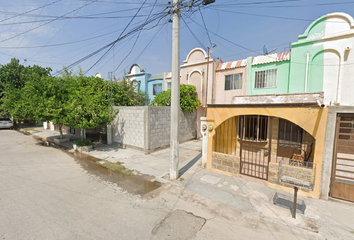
(134, 184)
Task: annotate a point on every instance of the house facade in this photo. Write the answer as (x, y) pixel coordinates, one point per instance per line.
(155, 85)
(295, 124)
(152, 84)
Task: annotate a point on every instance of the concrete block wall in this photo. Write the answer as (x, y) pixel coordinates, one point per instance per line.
(159, 127)
(128, 127)
(148, 127)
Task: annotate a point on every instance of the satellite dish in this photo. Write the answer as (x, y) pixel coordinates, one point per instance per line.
(265, 50)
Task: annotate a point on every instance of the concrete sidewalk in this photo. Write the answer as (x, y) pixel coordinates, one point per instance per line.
(331, 219)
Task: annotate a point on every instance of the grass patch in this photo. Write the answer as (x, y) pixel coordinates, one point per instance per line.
(81, 143)
(29, 130)
(118, 167)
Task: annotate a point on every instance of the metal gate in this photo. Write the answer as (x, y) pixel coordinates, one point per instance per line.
(254, 161)
(98, 134)
(342, 179)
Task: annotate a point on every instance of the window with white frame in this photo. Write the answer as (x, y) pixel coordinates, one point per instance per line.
(233, 81)
(156, 89)
(168, 85)
(253, 128)
(266, 78)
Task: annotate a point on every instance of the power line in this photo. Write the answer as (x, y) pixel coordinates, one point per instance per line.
(57, 32)
(109, 46)
(196, 38)
(118, 38)
(25, 32)
(135, 40)
(90, 16)
(30, 28)
(205, 26)
(20, 14)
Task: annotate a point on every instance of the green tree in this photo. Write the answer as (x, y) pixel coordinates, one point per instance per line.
(89, 103)
(188, 98)
(17, 75)
(50, 98)
(13, 77)
(125, 94)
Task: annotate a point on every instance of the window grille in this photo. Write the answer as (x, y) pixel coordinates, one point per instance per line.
(266, 78)
(290, 135)
(253, 128)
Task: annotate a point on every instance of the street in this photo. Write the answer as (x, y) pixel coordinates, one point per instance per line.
(46, 194)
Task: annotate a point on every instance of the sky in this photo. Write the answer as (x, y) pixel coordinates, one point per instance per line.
(110, 35)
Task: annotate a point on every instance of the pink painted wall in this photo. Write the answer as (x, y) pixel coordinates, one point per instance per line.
(222, 96)
(197, 70)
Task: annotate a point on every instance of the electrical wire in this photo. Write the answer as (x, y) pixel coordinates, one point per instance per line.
(109, 46)
(206, 29)
(195, 37)
(30, 28)
(25, 32)
(57, 33)
(135, 40)
(21, 14)
(112, 46)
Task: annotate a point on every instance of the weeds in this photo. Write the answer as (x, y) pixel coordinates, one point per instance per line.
(117, 167)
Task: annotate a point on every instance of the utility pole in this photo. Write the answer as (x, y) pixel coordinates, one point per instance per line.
(175, 91)
(175, 88)
(212, 77)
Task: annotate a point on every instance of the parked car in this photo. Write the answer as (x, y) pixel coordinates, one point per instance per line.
(6, 123)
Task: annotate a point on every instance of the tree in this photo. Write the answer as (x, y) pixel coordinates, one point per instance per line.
(89, 103)
(125, 94)
(13, 77)
(50, 100)
(188, 98)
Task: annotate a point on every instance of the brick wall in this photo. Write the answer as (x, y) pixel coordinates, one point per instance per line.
(148, 128)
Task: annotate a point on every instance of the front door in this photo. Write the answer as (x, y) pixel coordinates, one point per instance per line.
(342, 179)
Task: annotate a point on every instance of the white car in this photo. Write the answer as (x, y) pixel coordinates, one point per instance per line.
(6, 123)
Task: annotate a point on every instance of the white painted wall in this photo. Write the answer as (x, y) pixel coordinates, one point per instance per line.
(338, 43)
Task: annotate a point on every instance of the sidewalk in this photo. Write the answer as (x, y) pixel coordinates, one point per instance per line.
(332, 219)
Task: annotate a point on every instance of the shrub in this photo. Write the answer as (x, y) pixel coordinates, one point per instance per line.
(188, 98)
(81, 143)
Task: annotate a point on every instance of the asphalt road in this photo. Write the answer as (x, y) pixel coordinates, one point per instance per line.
(45, 194)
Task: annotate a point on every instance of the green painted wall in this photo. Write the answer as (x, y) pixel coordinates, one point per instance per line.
(282, 80)
(307, 44)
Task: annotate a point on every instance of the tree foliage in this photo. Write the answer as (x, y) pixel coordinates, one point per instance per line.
(13, 77)
(125, 94)
(17, 75)
(189, 100)
(89, 104)
(76, 101)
